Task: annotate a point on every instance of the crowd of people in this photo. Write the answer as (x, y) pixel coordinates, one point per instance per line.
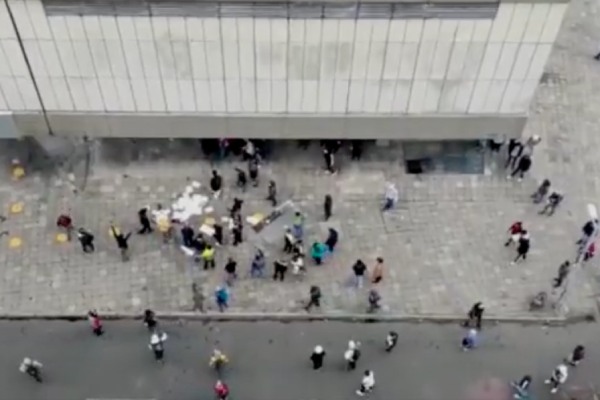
(294, 258)
(203, 245)
(519, 158)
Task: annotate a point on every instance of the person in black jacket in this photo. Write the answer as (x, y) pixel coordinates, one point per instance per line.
(514, 149)
(216, 183)
(144, 221)
(522, 247)
(522, 167)
(317, 357)
(327, 206)
(332, 239)
(121, 242)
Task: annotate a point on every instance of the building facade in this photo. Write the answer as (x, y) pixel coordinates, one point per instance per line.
(160, 68)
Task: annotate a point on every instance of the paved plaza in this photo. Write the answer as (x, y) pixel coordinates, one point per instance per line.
(442, 245)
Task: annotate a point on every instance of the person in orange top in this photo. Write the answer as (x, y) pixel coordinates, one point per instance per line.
(377, 271)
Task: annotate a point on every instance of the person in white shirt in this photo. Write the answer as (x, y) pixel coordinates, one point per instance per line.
(558, 377)
(297, 266)
(391, 196)
(367, 383)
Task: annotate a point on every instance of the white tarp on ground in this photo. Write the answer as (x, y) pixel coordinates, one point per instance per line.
(190, 203)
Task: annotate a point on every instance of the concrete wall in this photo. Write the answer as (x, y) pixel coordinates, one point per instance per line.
(133, 67)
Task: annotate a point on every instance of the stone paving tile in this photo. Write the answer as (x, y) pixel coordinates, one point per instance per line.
(442, 244)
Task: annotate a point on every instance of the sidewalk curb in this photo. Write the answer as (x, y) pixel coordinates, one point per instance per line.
(294, 317)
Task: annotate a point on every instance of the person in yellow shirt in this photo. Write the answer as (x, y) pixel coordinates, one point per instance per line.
(164, 227)
(208, 255)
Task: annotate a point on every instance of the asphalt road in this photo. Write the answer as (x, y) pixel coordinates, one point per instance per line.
(269, 361)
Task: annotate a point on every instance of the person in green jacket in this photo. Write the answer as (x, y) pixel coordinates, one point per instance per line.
(318, 252)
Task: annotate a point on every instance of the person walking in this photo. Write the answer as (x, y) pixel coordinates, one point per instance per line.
(157, 345)
(352, 354)
(298, 225)
(474, 315)
(218, 234)
(597, 57)
(522, 167)
(144, 221)
(298, 268)
(187, 235)
(530, 145)
(121, 242)
(237, 231)
(391, 340)
(563, 271)
(589, 252)
(558, 377)
(236, 208)
(280, 268)
(318, 251)
(249, 150)
(216, 183)
(391, 196)
(221, 390)
(298, 249)
(208, 255)
(359, 269)
(553, 201)
(242, 180)
(377, 274)
(314, 299)
(65, 222)
(95, 322)
(163, 222)
(150, 320)
(230, 271)
(541, 192)
(86, 239)
(317, 357)
(257, 268)
(329, 160)
(514, 233)
(356, 150)
(162, 216)
(587, 231)
(253, 170)
(469, 341)
(222, 298)
(514, 149)
(576, 355)
(367, 383)
(332, 239)
(32, 368)
(327, 206)
(374, 300)
(288, 241)
(272, 193)
(522, 247)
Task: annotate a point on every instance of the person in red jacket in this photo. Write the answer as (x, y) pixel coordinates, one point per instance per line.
(221, 390)
(514, 231)
(590, 252)
(95, 322)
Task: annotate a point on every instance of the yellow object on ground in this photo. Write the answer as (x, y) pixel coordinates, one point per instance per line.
(15, 242)
(209, 221)
(17, 172)
(16, 208)
(61, 237)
